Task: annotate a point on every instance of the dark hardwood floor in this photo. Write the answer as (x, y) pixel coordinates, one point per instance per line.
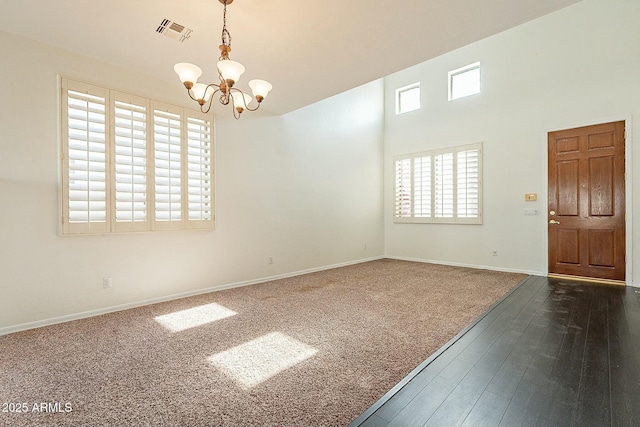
(551, 353)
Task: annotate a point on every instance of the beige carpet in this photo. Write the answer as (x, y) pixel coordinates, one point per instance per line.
(313, 350)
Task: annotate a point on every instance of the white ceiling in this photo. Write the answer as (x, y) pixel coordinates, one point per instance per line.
(308, 49)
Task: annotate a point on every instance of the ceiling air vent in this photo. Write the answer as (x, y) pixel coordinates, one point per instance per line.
(174, 30)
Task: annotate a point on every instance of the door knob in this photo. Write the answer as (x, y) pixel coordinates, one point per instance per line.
(553, 221)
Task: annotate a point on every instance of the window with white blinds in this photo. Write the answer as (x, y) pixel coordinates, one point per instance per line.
(132, 164)
(443, 186)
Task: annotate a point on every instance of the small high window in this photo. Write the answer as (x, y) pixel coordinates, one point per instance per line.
(464, 81)
(408, 98)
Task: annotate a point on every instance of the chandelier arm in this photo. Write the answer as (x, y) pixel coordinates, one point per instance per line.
(244, 101)
(234, 89)
(236, 112)
(253, 109)
(216, 90)
(210, 85)
(209, 103)
(191, 95)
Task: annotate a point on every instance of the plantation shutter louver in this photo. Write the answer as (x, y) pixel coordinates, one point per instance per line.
(85, 136)
(199, 182)
(444, 185)
(167, 167)
(468, 183)
(422, 186)
(130, 163)
(403, 190)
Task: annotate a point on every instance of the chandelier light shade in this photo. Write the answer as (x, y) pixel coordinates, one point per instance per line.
(260, 89)
(229, 73)
(200, 91)
(188, 73)
(240, 102)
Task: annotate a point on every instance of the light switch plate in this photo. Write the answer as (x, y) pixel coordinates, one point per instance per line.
(531, 197)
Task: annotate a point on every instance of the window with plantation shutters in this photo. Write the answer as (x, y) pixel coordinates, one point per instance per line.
(132, 164)
(442, 186)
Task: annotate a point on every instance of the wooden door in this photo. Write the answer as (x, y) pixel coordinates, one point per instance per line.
(587, 202)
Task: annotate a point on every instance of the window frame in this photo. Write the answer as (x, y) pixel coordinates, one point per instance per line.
(404, 89)
(110, 225)
(462, 70)
(406, 200)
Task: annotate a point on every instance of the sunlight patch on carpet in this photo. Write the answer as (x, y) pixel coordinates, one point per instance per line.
(192, 317)
(256, 361)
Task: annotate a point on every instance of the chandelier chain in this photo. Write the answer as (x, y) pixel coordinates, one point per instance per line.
(226, 36)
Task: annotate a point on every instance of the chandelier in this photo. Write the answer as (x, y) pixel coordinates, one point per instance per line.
(229, 73)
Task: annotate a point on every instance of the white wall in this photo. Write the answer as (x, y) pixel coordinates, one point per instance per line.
(578, 66)
(304, 188)
(307, 188)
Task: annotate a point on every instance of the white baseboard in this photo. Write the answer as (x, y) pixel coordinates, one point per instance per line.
(487, 267)
(83, 315)
(481, 267)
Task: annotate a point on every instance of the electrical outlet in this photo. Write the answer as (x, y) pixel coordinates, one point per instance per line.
(106, 282)
(270, 260)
